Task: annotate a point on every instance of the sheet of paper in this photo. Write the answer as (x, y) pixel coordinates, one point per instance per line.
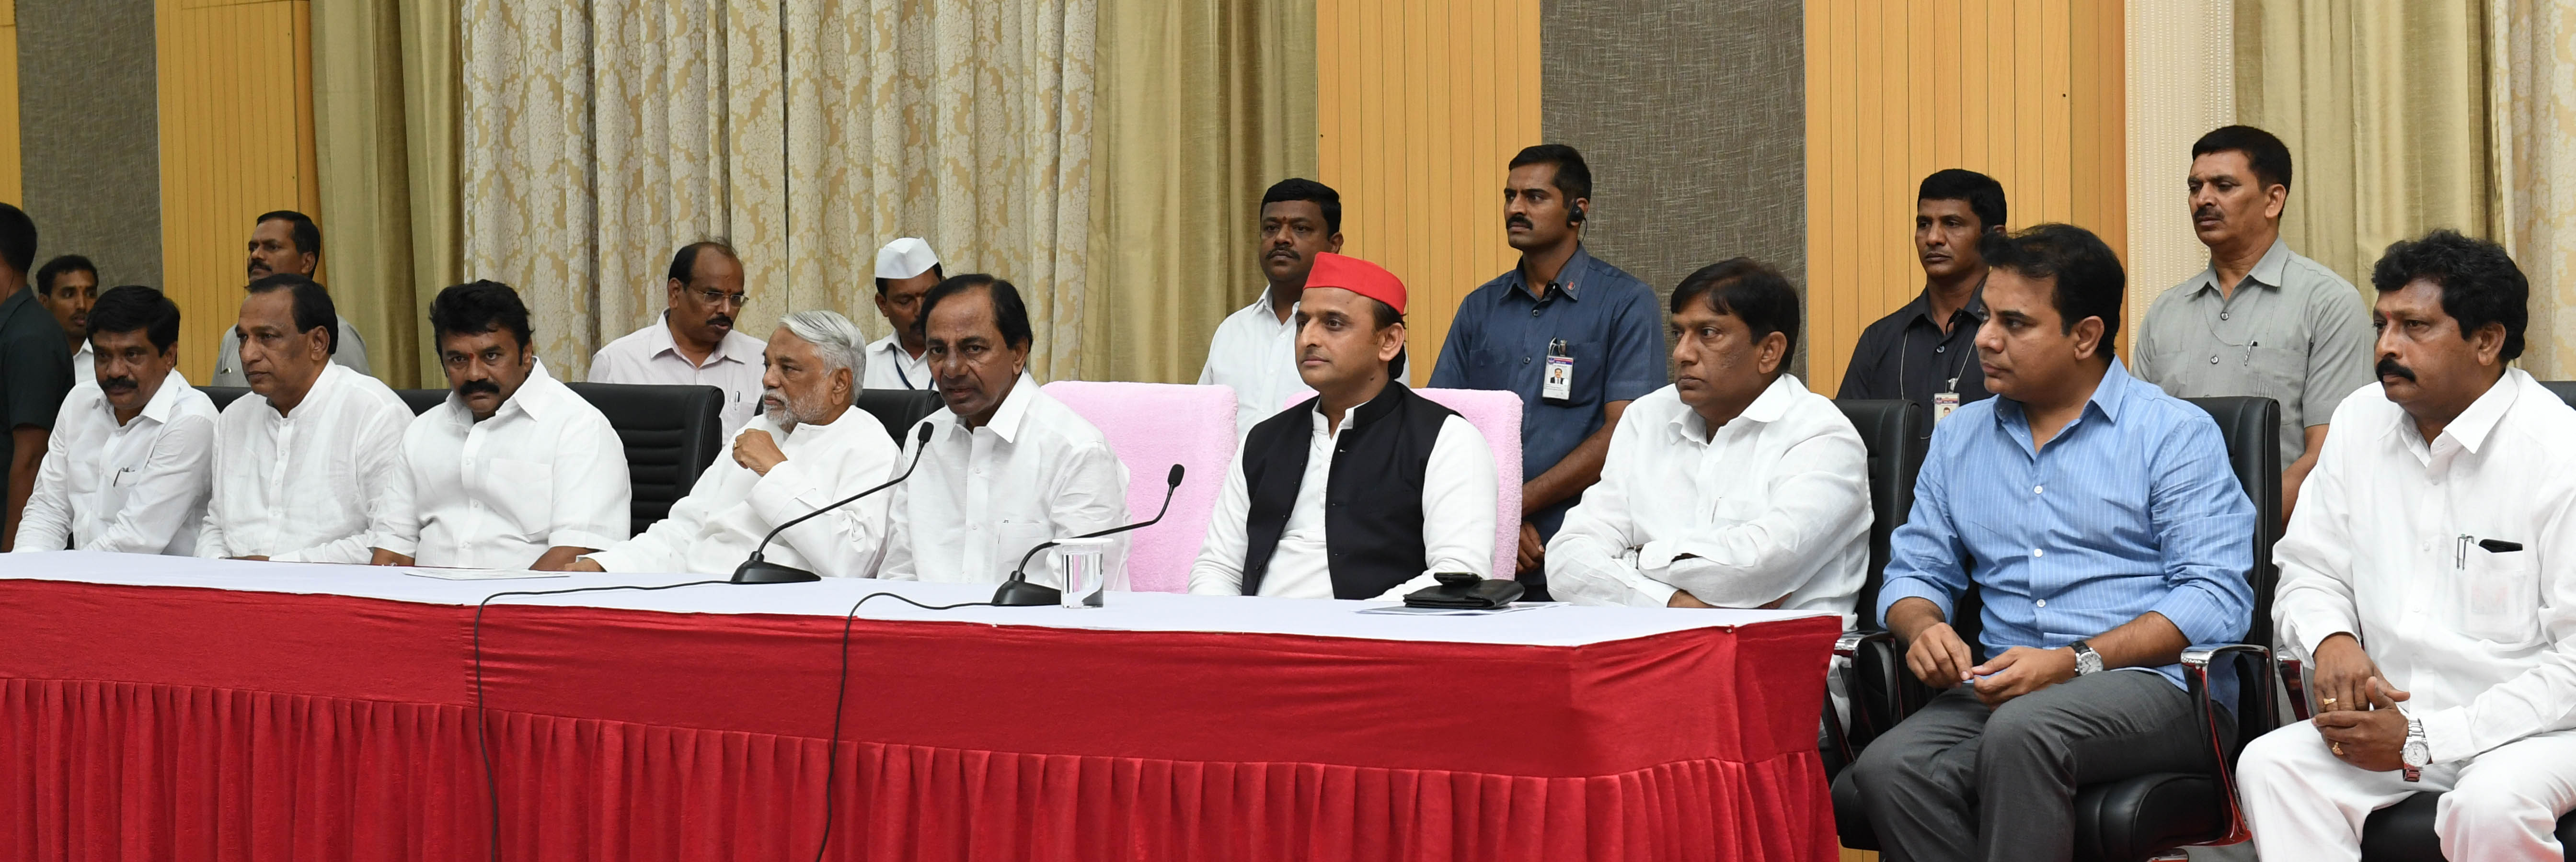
(476, 574)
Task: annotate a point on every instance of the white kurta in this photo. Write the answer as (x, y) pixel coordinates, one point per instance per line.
(730, 509)
(138, 488)
(891, 368)
(2484, 641)
(1774, 507)
(649, 356)
(324, 484)
(983, 497)
(1256, 353)
(1458, 490)
(545, 471)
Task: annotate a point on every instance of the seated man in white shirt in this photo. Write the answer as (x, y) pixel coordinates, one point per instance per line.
(906, 270)
(1255, 349)
(514, 471)
(308, 467)
(132, 457)
(806, 450)
(2430, 574)
(1735, 486)
(1410, 484)
(694, 341)
(1007, 468)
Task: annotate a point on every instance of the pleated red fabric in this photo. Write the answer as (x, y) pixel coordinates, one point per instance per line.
(175, 724)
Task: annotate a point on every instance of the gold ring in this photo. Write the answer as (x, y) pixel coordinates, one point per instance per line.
(2327, 701)
(2338, 748)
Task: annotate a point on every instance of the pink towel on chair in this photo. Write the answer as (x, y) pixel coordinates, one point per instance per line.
(1153, 426)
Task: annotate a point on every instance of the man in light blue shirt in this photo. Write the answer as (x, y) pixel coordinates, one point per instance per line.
(2100, 521)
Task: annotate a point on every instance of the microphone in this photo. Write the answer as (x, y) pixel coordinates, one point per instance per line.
(1018, 592)
(758, 571)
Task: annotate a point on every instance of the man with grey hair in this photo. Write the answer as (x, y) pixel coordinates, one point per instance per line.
(806, 449)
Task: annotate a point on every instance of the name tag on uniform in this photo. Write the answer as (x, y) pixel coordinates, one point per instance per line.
(1943, 404)
(1559, 383)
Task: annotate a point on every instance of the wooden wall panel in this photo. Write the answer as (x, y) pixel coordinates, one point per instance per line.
(2030, 92)
(1419, 105)
(13, 188)
(236, 86)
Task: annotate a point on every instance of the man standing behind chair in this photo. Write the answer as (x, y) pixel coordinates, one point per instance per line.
(2106, 530)
(514, 471)
(1575, 337)
(285, 241)
(1255, 349)
(2429, 578)
(133, 460)
(906, 269)
(1365, 491)
(68, 286)
(2261, 320)
(1733, 487)
(808, 449)
(309, 466)
(35, 370)
(1008, 467)
(1926, 352)
(694, 341)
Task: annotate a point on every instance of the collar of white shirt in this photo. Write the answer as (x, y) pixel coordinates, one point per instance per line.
(539, 394)
(2471, 427)
(1013, 412)
(163, 400)
(324, 388)
(1768, 407)
(727, 348)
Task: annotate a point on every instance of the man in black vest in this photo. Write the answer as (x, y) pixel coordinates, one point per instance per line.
(1363, 491)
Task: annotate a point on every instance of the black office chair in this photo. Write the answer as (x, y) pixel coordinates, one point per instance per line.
(422, 400)
(671, 435)
(899, 409)
(2146, 816)
(1897, 433)
(2566, 390)
(224, 396)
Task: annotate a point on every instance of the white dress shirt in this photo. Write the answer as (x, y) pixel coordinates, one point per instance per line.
(649, 356)
(1773, 507)
(2485, 641)
(1256, 353)
(1458, 490)
(321, 485)
(546, 470)
(84, 363)
(138, 488)
(891, 368)
(731, 508)
(983, 497)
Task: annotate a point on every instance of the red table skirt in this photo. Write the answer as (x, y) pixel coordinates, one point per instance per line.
(116, 767)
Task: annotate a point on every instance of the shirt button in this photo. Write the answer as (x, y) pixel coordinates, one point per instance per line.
(2213, 360)
(2039, 489)
(1533, 312)
(1525, 360)
(2222, 315)
(1940, 348)
(2038, 552)
(2041, 603)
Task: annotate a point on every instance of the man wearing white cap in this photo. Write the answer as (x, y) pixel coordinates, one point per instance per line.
(906, 269)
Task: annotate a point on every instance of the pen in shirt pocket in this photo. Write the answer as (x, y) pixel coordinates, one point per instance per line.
(2460, 554)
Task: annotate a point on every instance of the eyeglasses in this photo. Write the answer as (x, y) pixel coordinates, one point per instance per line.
(718, 297)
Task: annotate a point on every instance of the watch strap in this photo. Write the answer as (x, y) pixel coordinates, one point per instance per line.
(2414, 742)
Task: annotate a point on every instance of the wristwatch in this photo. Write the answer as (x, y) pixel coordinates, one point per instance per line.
(2416, 755)
(2086, 660)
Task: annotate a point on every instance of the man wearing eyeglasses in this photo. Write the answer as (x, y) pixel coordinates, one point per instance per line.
(694, 341)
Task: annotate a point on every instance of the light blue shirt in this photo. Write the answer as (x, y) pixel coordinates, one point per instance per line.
(2132, 508)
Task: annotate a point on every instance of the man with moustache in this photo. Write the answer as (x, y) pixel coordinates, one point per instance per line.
(1367, 490)
(807, 449)
(308, 467)
(68, 286)
(2106, 531)
(1255, 349)
(288, 242)
(694, 342)
(133, 460)
(1007, 467)
(1926, 352)
(2428, 579)
(906, 269)
(1576, 338)
(1733, 487)
(2261, 320)
(515, 471)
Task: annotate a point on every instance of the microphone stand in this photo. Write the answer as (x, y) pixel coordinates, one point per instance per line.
(1018, 592)
(759, 571)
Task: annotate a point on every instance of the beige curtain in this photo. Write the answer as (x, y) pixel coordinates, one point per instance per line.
(384, 123)
(2532, 99)
(600, 136)
(2179, 85)
(2384, 104)
(1205, 104)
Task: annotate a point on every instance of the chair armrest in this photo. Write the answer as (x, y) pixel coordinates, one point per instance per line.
(1873, 674)
(2196, 662)
(2293, 682)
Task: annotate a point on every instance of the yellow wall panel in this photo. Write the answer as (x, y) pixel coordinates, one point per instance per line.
(13, 187)
(2029, 92)
(1419, 105)
(236, 104)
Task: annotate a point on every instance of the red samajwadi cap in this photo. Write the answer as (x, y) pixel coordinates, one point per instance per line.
(1357, 276)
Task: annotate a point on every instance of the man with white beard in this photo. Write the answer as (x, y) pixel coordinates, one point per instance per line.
(806, 449)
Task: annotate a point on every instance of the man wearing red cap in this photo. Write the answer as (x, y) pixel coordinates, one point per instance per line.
(1363, 491)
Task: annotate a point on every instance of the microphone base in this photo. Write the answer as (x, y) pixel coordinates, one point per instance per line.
(763, 572)
(1017, 594)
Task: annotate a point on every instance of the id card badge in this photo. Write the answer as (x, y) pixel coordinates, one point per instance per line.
(1942, 405)
(1559, 383)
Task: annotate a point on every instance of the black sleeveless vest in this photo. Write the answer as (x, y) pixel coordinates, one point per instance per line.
(1372, 500)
